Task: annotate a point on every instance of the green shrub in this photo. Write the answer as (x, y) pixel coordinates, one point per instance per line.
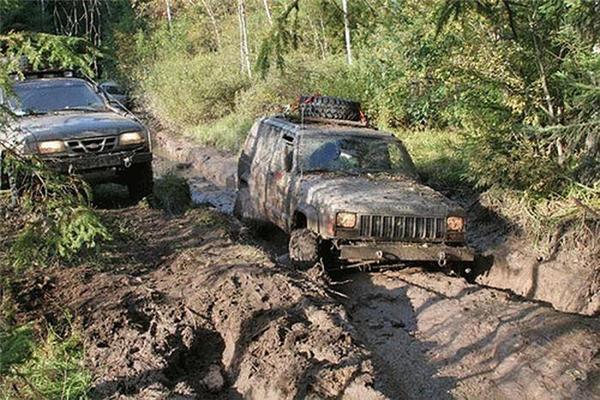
(55, 209)
(189, 90)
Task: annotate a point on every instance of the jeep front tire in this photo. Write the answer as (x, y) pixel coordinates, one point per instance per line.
(304, 248)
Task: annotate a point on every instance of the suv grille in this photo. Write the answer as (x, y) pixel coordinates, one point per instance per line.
(93, 145)
(402, 227)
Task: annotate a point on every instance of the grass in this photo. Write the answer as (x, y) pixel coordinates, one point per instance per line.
(227, 133)
(49, 369)
(437, 156)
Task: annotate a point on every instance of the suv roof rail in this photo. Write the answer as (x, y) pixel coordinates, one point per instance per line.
(47, 73)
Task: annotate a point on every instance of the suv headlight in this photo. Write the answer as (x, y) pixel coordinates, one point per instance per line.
(455, 224)
(345, 220)
(51, 146)
(131, 138)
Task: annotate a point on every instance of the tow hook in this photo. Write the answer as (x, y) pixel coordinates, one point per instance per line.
(442, 260)
(127, 162)
(379, 254)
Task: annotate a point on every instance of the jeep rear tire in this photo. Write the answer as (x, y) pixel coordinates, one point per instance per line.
(330, 108)
(139, 181)
(304, 248)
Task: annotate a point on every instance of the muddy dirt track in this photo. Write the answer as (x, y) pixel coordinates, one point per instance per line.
(198, 306)
(434, 336)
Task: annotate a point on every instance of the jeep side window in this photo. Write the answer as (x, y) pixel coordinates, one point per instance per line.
(265, 145)
(284, 154)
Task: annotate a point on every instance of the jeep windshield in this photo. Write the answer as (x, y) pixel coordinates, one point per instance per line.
(53, 95)
(354, 154)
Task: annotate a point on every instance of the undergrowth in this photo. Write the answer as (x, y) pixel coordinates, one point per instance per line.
(52, 212)
(51, 368)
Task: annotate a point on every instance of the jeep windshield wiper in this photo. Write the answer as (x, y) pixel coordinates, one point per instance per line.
(31, 112)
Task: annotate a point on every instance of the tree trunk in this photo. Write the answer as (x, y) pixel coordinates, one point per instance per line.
(244, 52)
(347, 32)
(213, 21)
(266, 3)
(168, 3)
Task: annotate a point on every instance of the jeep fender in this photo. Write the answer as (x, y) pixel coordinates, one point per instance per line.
(311, 215)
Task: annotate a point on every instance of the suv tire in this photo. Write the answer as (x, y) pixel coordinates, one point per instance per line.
(304, 248)
(139, 180)
(330, 108)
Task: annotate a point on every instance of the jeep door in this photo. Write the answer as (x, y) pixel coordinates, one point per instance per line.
(266, 141)
(279, 180)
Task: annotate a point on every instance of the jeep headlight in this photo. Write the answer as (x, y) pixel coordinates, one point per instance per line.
(455, 224)
(131, 138)
(51, 146)
(345, 220)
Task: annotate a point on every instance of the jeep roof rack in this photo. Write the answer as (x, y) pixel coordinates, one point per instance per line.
(328, 121)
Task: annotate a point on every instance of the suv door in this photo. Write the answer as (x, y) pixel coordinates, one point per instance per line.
(257, 185)
(279, 180)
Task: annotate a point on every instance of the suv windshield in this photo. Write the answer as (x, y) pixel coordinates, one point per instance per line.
(40, 97)
(354, 154)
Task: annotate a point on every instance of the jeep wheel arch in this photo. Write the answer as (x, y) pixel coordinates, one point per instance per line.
(305, 217)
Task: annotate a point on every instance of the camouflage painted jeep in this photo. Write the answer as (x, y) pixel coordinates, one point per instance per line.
(346, 189)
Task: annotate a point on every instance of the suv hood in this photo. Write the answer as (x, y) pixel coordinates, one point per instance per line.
(71, 125)
(380, 196)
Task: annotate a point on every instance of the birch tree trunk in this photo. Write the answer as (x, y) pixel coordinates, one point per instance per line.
(347, 32)
(213, 21)
(244, 52)
(168, 3)
(266, 3)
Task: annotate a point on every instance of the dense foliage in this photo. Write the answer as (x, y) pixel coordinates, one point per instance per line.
(517, 81)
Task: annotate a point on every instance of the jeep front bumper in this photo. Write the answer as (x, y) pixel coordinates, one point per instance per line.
(390, 251)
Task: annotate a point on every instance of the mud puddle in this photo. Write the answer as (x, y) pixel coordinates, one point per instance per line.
(443, 338)
(202, 190)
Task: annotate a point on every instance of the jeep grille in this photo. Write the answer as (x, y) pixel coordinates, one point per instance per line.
(92, 145)
(401, 227)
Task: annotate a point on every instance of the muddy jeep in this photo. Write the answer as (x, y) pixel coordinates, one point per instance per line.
(73, 126)
(348, 190)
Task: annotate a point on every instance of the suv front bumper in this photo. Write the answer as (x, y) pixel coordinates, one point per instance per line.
(80, 165)
(390, 251)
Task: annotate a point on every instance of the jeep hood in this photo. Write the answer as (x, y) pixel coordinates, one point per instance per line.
(71, 125)
(380, 196)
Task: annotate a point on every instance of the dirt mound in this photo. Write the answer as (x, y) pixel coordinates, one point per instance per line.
(563, 271)
(211, 318)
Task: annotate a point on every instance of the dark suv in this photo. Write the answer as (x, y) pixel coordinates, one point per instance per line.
(70, 123)
(345, 189)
